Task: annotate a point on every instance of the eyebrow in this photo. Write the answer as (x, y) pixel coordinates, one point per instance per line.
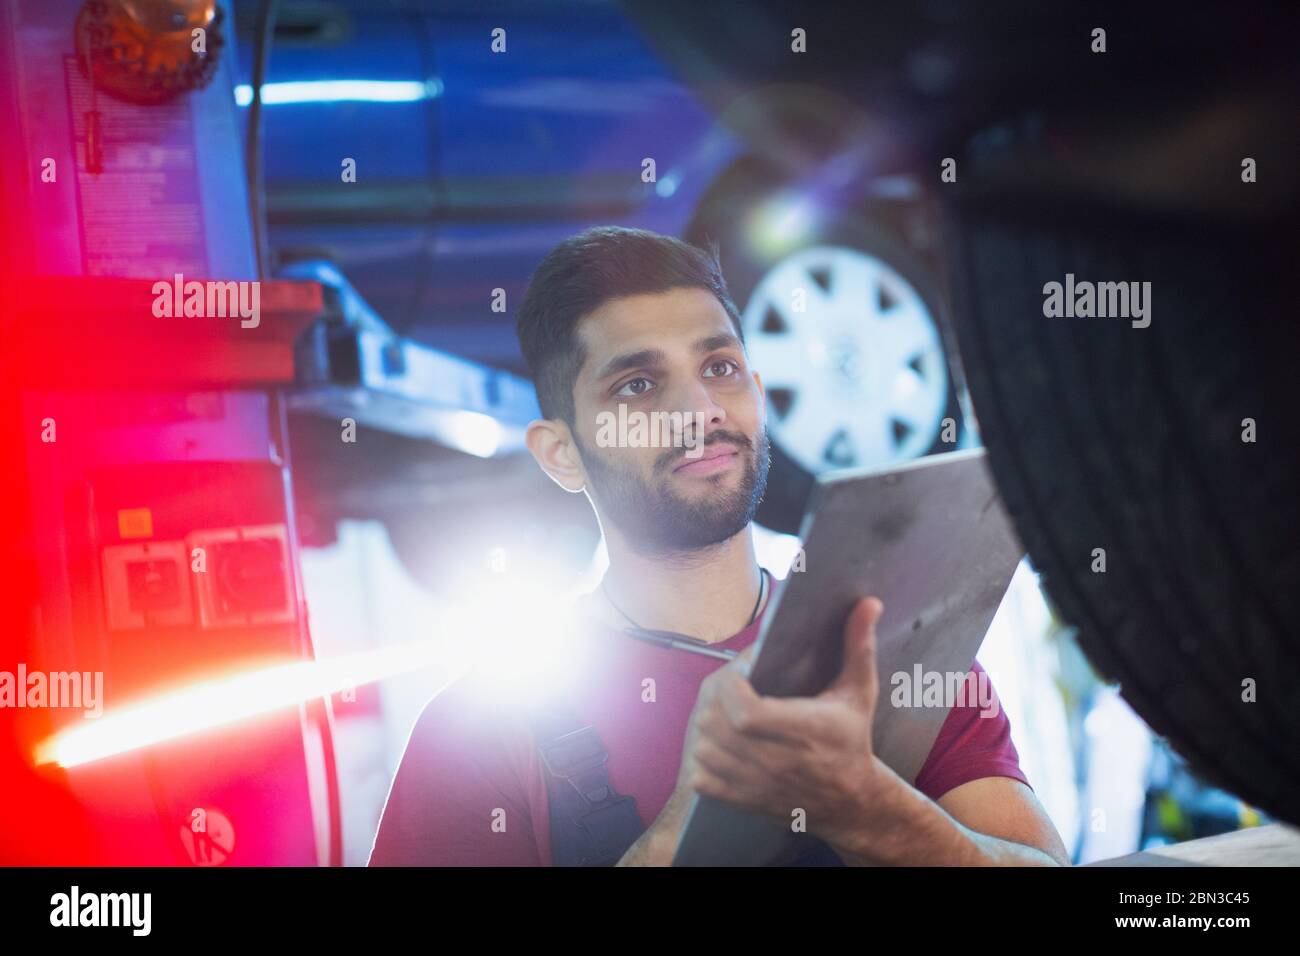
(652, 357)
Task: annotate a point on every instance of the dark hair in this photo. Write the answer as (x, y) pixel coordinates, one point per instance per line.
(584, 272)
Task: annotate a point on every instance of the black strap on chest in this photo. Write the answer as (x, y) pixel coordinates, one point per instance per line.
(591, 824)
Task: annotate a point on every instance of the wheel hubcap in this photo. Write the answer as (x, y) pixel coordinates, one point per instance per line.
(851, 359)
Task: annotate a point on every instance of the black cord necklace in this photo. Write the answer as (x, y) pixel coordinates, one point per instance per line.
(684, 641)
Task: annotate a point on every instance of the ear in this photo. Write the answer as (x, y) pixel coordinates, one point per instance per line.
(551, 444)
(758, 380)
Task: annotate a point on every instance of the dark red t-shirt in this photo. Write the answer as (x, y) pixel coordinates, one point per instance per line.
(471, 790)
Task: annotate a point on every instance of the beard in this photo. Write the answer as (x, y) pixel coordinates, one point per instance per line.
(655, 520)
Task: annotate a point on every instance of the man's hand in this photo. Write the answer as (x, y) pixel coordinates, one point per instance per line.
(783, 757)
(818, 761)
(813, 756)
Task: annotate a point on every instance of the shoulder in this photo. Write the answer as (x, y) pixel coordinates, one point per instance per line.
(458, 704)
(469, 717)
(974, 741)
(464, 761)
(511, 676)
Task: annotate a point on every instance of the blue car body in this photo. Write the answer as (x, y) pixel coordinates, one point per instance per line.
(469, 164)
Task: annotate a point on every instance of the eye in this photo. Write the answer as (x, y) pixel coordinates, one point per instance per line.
(727, 366)
(637, 386)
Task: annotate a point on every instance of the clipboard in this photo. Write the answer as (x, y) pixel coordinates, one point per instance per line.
(932, 540)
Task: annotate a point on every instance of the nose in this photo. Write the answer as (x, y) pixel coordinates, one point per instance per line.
(701, 411)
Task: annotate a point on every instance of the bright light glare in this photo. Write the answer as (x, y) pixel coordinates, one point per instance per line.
(667, 185)
(516, 638)
(781, 224)
(519, 640)
(340, 91)
(472, 432)
(774, 550)
(213, 703)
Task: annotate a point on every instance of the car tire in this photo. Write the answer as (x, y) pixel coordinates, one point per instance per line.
(1132, 441)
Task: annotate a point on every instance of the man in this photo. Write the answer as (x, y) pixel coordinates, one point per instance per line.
(625, 317)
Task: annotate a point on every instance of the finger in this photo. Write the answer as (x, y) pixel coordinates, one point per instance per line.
(708, 784)
(737, 706)
(770, 746)
(791, 721)
(743, 767)
(733, 783)
(858, 674)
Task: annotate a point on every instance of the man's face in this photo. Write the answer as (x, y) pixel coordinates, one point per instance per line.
(673, 352)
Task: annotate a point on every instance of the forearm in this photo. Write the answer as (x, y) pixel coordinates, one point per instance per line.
(658, 844)
(652, 848)
(904, 827)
